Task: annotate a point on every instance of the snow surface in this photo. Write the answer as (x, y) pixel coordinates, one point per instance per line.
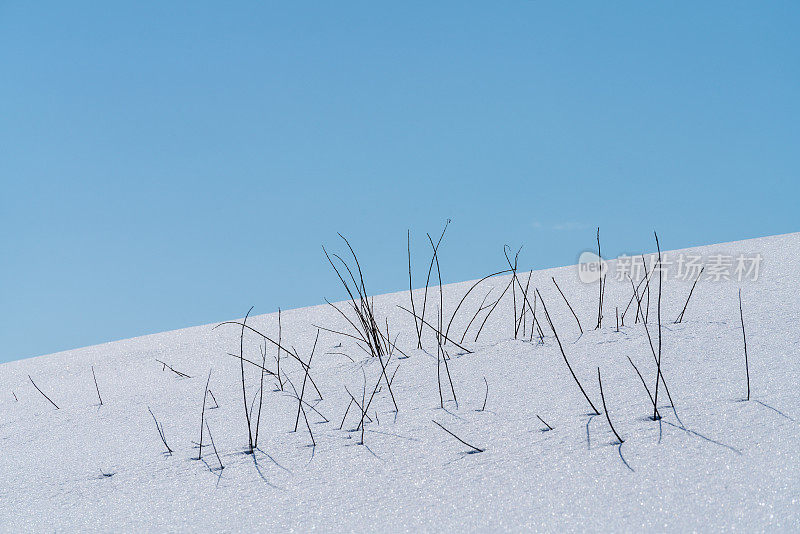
(725, 464)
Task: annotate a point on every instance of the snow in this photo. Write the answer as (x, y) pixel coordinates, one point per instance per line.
(725, 464)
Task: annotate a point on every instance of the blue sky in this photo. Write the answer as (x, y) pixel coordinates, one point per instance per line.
(170, 164)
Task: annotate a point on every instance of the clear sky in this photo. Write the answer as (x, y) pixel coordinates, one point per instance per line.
(168, 164)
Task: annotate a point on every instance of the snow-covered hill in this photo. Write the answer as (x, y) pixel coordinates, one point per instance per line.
(712, 462)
